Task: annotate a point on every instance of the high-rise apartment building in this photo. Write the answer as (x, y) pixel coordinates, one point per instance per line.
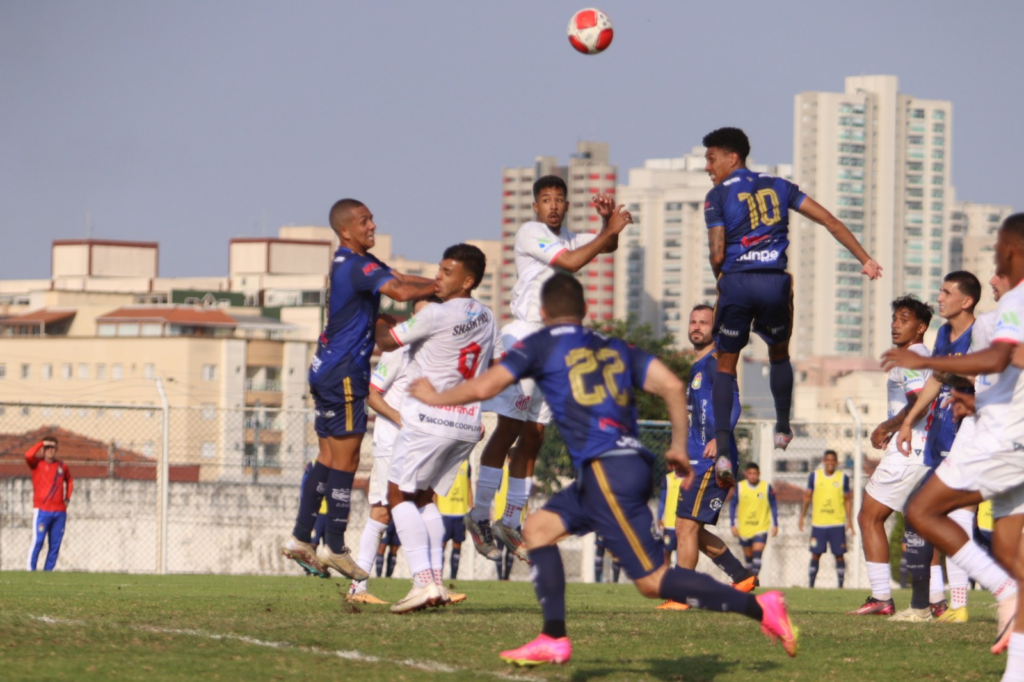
(588, 172)
(881, 161)
(662, 268)
(973, 241)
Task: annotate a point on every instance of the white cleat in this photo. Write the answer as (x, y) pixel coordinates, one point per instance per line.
(912, 615)
(782, 440)
(418, 599)
(1007, 610)
(511, 538)
(342, 563)
(304, 555)
(483, 540)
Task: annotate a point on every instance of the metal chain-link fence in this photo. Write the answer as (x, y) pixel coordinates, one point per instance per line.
(207, 490)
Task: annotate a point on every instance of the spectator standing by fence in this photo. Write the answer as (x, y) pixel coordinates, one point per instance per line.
(51, 492)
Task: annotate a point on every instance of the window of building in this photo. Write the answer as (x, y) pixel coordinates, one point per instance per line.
(939, 115)
(65, 370)
(937, 180)
(208, 450)
(915, 139)
(117, 371)
(101, 371)
(674, 206)
(148, 370)
(26, 370)
(46, 372)
(917, 113)
(209, 372)
(3, 371)
(83, 370)
(938, 193)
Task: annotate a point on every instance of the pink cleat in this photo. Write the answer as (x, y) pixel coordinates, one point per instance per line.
(1007, 617)
(544, 649)
(775, 622)
(782, 440)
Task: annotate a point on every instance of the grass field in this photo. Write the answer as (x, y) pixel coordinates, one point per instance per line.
(64, 626)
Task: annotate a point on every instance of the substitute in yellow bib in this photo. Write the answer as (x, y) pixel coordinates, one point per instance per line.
(667, 504)
(828, 494)
(753, 514)
(453, 508)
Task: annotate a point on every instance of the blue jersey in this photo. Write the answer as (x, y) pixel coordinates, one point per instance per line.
(754, 209)
(354, 302)
(941, 426)
(587, 380)
(702, 418)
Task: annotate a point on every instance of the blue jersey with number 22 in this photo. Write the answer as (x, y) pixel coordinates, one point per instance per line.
(587, 380)
(754, 209)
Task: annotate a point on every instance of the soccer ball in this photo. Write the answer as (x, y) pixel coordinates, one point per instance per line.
(590, 31)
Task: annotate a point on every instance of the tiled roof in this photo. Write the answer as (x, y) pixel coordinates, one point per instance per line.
(43, 315)
(200, 317)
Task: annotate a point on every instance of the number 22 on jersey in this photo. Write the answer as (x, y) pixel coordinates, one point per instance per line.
(584, 362)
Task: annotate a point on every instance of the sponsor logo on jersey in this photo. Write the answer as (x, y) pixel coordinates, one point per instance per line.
(370, 267)
(606, 423)
(760, 256)
(716, 504)
(381, 369)
(339, 259)
(559, 331)
(707, 205)
(341, 495)
(749, 240)
(730, 181)
(728, 332)
(427, 419)
(480, 320)
(914, 540)
(523, 403)
(697, 381)
(629, 442)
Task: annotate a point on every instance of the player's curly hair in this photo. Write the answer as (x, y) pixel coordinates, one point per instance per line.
(729, 139)
(919, 309)
(547, 182)
(1014, 225)
(472, 259)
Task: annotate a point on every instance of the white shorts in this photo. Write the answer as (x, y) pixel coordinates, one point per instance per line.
(989, 465)
(377, 494)
(895, 479)
(385, 432)
(522, 400)
(423, 460)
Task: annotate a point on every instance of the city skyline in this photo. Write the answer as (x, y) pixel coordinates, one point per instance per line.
(192, 124)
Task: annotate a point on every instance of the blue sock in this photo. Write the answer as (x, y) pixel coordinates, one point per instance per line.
(599, 565)
(616, 567)
(840, 570)
(704, 592)
(548, 575)
(378, 564)
(313, 490)
(780, 381)
(392, 558)
(456, 556)
(509, 560)
(755, 567)
(339, 501)
(722, 395)
(731, 566)
(812, 572)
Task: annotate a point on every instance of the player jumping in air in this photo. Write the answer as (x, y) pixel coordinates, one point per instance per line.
(747, 216)
(542, 247)
(339, 381)
(588, 380)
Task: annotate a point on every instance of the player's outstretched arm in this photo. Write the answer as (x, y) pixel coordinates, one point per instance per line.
(408, 290)
(32, 456)
(572, 261)
(992, 360)
(410, 279)
(487, 385)
(810, 208)
(663, 383)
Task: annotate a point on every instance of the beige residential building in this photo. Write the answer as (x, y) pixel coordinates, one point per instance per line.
(972, 247)
(881, 161)
(588, 172)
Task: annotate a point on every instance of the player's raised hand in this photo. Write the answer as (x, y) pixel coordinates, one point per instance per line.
(618, 220)
(901, 357)
(604, 204)
(424, 391)
(872, 269)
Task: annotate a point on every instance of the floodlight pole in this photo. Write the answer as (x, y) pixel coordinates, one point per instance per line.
(163, 478)
(858, 490)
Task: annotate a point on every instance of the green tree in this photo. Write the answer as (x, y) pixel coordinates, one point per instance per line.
(553, 462)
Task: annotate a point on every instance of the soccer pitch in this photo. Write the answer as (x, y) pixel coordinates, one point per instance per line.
(64, 626)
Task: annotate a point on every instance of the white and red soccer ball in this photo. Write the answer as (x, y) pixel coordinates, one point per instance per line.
(590, 31)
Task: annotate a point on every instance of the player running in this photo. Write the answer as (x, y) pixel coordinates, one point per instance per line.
(339, 381)
(747, 216)
(753, 513)
(588, 380)
(451, 342)
(897, 475)
(542, 247)
(702, 503)
(828, 496)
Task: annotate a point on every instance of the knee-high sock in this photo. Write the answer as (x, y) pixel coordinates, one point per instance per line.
(510, 558)
(378, 565)
(937, 584)
(339, 503)
(919, 557)
(456, 556)
(755, 564)
(840, 571)
(704, 592)
(904, 576)
(548, 575)
(958, 578)
(415, 541)
(722, 395)
(515, 502)
(488, 480)
(812, 571)
(780, 381)
(878, 576)
(369, 542)
(979, 565)
(731, 566)
(431, 516)
(314, 487)
(599, 564)
(392, 560)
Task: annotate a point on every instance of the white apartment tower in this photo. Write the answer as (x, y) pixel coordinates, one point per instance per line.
(973, 230)
(588, 172)
(881, 162)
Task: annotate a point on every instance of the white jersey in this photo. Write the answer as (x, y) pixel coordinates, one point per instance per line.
(981, 337)
(536, 248)
(450, 342)
(389, 376)
(1000, 397)
(901, 383)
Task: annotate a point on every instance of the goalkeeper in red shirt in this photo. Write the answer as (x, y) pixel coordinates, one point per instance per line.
(51, 484)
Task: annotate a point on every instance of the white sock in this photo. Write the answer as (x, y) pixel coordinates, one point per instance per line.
(936, 587)
(878, 576)
(413, 534)
(434, 524)
(979, 565)
(958, 578)
(1015, 659)
(514, 502)
(368, 544)
(487, 483)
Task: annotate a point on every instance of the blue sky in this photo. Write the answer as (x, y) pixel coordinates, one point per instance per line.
(189, 123)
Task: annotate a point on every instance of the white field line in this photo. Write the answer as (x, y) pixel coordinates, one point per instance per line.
(349, 655)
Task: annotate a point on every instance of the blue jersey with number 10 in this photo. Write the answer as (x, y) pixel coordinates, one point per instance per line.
(587, 380)
(754, 209)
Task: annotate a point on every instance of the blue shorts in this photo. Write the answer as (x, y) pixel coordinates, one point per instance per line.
(703, 501)
(609, 497)
(832, 536)
(669, 539)
(339, 400)
(983, 538)
(391, 536)
(759, 298)
(761, 538)
(454, 529)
